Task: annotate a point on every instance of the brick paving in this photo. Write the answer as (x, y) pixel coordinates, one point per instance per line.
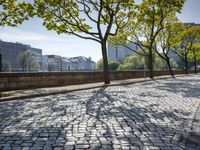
(150, 115)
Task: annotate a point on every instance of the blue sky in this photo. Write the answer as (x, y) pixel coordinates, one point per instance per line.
(33, 33)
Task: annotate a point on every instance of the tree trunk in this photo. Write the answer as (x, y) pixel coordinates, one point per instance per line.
(105, 63)
(195, 65)
(186, 65)
(169, 67)
(150, 63)
(195, 62)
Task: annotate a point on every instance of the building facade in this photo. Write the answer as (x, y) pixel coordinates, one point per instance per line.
(37, 53)
(80, 63)
(54, 63)
(12, 51)
(44, 63)
(58, 63)
(119, 52)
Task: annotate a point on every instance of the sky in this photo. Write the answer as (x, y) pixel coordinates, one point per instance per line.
(33, 33)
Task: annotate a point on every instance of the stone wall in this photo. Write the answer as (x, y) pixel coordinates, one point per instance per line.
(13, 81)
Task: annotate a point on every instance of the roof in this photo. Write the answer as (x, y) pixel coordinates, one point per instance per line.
(76, 59)
(192, 24)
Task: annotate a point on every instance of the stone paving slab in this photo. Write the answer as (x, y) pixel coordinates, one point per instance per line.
(147, 115)
(194, 136)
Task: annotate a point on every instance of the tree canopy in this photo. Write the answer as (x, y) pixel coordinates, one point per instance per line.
(14, 13)
(187, 44)
(148, 23)
(167, 39)
(87, 19)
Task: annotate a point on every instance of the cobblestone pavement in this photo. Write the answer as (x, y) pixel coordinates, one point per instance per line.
(149, 115)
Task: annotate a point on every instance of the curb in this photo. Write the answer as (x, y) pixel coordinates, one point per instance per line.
(194, 135)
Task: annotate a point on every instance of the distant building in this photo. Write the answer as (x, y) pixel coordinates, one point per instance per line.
(44, 63)
(93, 65)
(37, 54)
(65, 64)
(119, 52)
(54, 63)
(58, 63)
(79, 63)
(191, 23)
(11, 52)
(174, 56)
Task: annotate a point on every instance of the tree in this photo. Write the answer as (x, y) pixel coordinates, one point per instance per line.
(194, 55)
(6, 66)
(167, 38)
(151, 15)
(87, 19)
(197, 54)
(113, 65)
(174, 64)
(126, 67)
(27, 60)
(187, 44)
(99, 64)
(12, 14)
(138, 62)
(159, 63)
(196, 46)
(134, 62)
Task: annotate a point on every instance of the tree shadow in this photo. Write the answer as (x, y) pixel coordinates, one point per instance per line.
(188, 87)
(106, 118)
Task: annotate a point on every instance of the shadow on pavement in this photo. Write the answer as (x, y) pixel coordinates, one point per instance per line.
(107, 118)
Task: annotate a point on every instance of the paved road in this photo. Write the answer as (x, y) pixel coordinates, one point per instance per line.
(150, 115)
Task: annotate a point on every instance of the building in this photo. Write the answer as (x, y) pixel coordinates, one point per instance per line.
(119, 52)
(58, 63)
(65, 64)
(37, 55)
(191, 24)
(44, 63)
(80, 63)
(11, 53)
(54, 63)
(174, 56)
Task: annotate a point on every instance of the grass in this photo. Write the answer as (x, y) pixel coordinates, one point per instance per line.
(6, 94)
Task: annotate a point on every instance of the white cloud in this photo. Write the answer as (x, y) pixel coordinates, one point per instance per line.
(51, 43)
(18, 35)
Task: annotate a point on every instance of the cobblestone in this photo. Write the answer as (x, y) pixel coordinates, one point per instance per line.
(149, 115)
